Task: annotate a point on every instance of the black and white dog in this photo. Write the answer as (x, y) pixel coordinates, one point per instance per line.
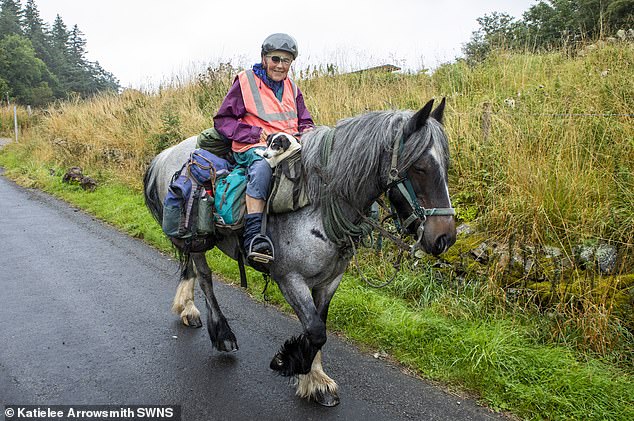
(279, 147)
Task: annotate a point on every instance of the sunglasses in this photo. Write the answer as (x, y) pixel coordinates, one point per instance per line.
(278, 59)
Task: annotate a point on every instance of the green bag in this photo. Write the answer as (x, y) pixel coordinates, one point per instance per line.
(289, 188)
(211, 140)
(230, 199)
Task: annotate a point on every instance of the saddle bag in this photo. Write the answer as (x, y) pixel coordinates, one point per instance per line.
(189, 202)
(230, 200)
(289, 187)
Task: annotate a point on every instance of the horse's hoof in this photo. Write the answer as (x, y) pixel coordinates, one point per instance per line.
(276, 363)
(326, 398)
(192, 321)
(226, 345)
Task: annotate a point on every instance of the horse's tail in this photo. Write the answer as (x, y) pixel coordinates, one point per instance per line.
(150, 192)
(154, 204)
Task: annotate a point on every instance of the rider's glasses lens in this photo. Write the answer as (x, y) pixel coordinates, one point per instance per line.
(277, 59)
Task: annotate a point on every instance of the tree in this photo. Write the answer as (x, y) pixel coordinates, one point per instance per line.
(550, 24)
(10, 18)
(59, 64)
(77, 46)
(26, 75)
(38, 64)
(103, 80)
(555, 22)
(79, 75)
(34, 29)
(620, 14)
(496, 30)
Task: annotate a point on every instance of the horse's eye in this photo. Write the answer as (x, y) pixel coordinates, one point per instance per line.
(419, 168)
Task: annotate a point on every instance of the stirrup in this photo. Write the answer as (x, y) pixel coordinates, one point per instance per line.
(261, 257)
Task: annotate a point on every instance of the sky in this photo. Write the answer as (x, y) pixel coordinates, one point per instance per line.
(145, 43)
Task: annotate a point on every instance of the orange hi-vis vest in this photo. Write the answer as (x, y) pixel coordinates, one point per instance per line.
(265, 110)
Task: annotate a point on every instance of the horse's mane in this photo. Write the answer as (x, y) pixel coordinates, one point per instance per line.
(361, 152)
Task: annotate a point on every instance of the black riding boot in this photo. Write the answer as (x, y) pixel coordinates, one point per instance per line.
(257, 246)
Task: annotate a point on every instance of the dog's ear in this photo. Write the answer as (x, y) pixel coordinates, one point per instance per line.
(286, 143)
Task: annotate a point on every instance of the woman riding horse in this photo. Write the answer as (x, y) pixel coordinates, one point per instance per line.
(262, 101)
(347, 168)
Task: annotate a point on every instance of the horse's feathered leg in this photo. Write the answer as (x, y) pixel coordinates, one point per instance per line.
(183, 304)
(302, 355)
(296, 355)
(317, 384)
(220, 333)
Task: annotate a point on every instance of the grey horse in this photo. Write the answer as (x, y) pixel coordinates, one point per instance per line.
(365, 157)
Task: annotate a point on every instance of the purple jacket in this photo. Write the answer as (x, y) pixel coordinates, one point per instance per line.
(228, 120)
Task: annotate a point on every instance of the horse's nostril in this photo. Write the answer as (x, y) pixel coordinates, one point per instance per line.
(441, 245)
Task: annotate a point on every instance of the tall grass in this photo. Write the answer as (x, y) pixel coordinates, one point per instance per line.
(555, 167)
(7, 120)
(559, 164)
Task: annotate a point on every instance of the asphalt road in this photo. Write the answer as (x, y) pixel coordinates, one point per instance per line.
(84, 319)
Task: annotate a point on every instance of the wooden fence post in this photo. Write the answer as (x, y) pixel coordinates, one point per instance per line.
(15, 122)
(486, 120)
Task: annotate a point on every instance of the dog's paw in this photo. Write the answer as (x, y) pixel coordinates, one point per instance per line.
(260, 152)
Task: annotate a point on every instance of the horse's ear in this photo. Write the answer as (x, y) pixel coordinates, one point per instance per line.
(437, 114)
(418, 120)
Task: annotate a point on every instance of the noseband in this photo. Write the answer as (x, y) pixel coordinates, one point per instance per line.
(404, 185)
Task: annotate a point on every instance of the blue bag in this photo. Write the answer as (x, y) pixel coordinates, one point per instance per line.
(230, 199)
(188, 206)
(204, 166)
(175, 222)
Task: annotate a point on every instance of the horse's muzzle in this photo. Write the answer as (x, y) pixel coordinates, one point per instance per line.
(436, 235)
(442, 244)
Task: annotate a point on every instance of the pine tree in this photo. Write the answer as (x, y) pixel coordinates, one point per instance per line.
(103, 80)
(60, 63)
(38, 64)
(80, 78)
(77, 46)
(35, 30)
(59, 35)
(10, 18)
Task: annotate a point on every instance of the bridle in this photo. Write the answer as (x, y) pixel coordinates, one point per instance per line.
(418, 213)
(404, 185)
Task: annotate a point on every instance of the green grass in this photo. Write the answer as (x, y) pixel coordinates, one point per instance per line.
(448, 333)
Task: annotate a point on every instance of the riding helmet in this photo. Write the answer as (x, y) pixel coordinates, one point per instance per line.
(281, 42)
